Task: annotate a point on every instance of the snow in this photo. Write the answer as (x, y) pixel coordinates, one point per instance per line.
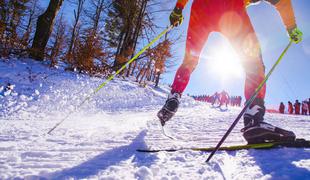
(100, 139)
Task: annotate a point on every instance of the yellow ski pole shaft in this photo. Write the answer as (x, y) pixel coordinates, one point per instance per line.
(249, 102)
(112, 77)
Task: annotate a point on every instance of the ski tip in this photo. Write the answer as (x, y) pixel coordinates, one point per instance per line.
(156, 150)
(170, 137)
(166, 135)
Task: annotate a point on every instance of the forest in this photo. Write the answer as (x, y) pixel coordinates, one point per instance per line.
(95, 37)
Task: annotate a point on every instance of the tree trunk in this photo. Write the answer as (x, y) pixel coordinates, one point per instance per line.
(77, 15)
(43, 30)
(58, 46)
(146, 70)
(133, 68)
(157, 79)
(126, 46)
(26, 37)
(137, 32)
(140, 72)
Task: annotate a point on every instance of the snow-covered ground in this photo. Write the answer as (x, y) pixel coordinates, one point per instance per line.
(99, 141)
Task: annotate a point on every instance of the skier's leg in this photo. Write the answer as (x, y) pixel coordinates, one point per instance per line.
(246, 44)
(197, 34)
(198, 31)
(236, 26)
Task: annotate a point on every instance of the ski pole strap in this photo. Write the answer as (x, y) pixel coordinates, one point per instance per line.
(249, 102)
(112, 77)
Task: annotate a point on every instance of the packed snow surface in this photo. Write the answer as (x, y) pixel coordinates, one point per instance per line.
(99, 140)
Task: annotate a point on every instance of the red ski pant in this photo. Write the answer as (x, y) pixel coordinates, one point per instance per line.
(230, 18)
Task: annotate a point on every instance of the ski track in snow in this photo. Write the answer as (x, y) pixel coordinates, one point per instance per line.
(99, 141)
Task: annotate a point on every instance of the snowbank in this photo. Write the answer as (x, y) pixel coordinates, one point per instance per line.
(99, 141)
(40, 91)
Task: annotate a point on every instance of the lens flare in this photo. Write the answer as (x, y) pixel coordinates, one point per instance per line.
(224, 62)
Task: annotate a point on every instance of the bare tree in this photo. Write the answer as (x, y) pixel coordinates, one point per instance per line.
(43, 30)
(4, 14)
(75, 29)
(58, 38)
(32, 15)
(156, 59)
(90, 42)
(126, 20)
(11, 15)
(136, 34)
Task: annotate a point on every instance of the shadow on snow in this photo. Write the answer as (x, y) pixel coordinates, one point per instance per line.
(279, 162)
(109, 158)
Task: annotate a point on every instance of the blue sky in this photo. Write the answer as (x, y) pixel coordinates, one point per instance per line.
(291, 79)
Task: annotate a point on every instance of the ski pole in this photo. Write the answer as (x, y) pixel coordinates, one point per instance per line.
(249, 102)
(111, 77)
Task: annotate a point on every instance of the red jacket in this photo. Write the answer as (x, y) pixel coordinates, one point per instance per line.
(297, 108)
(281, 108)
(290, 108)
(283, 6)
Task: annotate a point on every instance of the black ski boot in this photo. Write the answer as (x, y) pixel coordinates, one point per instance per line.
(169, 109)
(257, 131)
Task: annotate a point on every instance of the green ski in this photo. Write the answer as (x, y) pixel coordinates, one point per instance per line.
(298, 143)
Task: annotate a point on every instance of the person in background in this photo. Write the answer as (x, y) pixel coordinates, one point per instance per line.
(297, 107)
(239, 101)
(216, 98)
(304, 108)
(281, 108)
(309, 106)
(290, 107)
(224, 98)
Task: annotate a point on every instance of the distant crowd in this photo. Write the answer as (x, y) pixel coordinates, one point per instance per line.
(302, 108)
(220, 99)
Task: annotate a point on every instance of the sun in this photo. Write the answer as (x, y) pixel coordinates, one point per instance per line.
(224, 62)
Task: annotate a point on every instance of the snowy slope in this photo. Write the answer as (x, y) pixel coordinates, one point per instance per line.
(99, 141)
